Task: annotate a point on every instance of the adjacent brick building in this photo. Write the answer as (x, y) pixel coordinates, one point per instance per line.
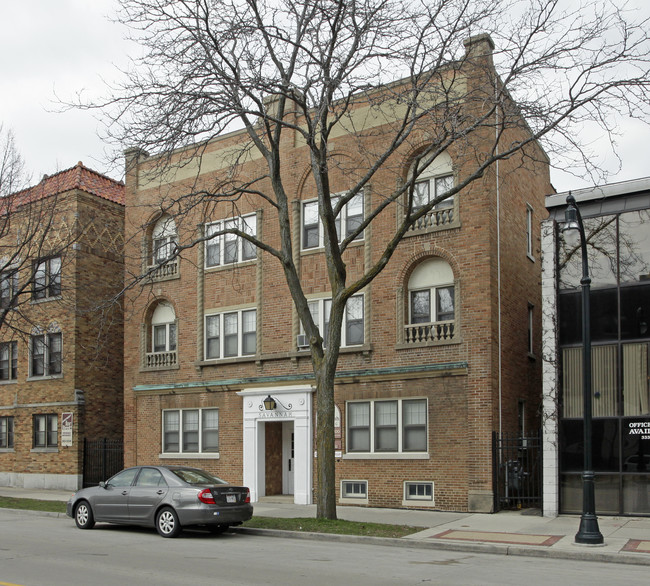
(442, 349)
(61, 342)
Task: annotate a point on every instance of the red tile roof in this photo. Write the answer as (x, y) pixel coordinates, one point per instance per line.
(77, 177)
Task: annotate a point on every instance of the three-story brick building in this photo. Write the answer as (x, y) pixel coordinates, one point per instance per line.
(61, 344)
(439, 351)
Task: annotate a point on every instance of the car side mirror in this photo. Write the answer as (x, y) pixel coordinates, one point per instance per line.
(102, 484)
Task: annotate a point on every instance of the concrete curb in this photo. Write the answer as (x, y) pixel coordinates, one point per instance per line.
(467, 547)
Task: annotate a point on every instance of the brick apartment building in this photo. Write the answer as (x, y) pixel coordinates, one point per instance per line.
(61, 374)
(442, 349)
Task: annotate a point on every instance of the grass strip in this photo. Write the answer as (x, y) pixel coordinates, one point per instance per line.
(339, 526)
(8, 502)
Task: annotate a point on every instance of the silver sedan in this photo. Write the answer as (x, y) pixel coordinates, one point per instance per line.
(165, 497)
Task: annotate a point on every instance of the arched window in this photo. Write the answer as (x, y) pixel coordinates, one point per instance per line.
(431, 302)
(163, 239)
(161, 337)
(436, 180)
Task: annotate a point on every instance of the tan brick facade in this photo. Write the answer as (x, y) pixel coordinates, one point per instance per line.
(87, 233)
(472, 384)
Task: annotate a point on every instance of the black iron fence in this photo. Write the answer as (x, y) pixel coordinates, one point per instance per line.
(517, 468)
(102, 458)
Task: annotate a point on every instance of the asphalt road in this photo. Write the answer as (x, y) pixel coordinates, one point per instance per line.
(49, 551)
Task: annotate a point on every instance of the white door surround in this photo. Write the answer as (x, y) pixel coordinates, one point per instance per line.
(293, 403)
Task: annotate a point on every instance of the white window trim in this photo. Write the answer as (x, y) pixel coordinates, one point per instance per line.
(419, 501)
(51, 278)
(341, 219)
(433, 193)
(320, 322)
(529, 232)
(240, 334)
(433, 302)
(13, 372)
(223, 237)
(400, 454)
(188, 455)
(361, 500)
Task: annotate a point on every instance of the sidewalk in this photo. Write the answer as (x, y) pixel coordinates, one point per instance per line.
(627, 539)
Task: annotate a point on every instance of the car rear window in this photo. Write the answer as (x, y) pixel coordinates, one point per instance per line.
(193, 476)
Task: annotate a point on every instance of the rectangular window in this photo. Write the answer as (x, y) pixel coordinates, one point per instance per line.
(6, 433)
(163, 337)
(350, 218)
(387, 426)
(531, 340)
(46, 354)
(431, 188)
(222, 248)
(8, 288)
(9, 361)
(529, 231)
(190, 431)
(45, 431)
(354, 489)
(231, 334)
(352, 331)
(432, 305)
(47, 278)
(418, 491)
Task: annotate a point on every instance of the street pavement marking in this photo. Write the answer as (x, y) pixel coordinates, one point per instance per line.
(9, 584)
(493, 537)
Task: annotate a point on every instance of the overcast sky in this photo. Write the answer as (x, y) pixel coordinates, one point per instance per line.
(60, 47)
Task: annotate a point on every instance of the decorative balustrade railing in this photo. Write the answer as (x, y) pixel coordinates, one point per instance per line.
(442, 331)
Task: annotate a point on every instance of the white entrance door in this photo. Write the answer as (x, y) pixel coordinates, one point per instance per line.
(288, 459)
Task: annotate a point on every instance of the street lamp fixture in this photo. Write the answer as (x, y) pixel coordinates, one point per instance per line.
(588, 532)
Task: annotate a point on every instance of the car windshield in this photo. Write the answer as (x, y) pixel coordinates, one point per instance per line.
(194, 476)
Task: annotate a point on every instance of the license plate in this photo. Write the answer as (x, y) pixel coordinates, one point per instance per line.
(231, 498)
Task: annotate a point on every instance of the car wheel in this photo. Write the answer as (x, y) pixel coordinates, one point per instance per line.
(167, 522)
(83, 516)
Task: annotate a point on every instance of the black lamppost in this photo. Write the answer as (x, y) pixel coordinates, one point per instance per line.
(588, 533)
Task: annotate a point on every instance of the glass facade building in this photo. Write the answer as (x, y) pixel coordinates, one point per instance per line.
(617, 231)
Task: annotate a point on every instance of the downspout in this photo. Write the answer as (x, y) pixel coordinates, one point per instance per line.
(496, 134)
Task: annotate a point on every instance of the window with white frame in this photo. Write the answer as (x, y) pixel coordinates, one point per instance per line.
(190, 431)
(431, 293)
(354, 489)
(529, 231)
(352, 331)
(47, 278)
(45, 431)
(231, 334)
(381, 426)
(45, 354)
(223, 248)
(427, 190)
(418, 491)
(6, 432)
(8, 360)
(163, 240)
(8, 288)
(163, 329)
(349, 219)
(531, 318)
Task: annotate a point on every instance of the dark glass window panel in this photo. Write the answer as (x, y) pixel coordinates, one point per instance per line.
(605, 443)
(635, 312)
(570, 307)
(636, 489)
(421, 306)
(604, 314)
(606, 489)
(634, 246)
(601, 254)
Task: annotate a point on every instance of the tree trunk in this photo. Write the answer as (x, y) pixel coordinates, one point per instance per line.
(325, 461)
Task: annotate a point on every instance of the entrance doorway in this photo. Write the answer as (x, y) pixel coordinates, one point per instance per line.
(279, 458)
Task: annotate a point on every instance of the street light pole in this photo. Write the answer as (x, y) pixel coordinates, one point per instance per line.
(589, 532)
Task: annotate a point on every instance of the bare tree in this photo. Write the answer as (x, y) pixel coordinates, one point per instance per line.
(426, 67)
